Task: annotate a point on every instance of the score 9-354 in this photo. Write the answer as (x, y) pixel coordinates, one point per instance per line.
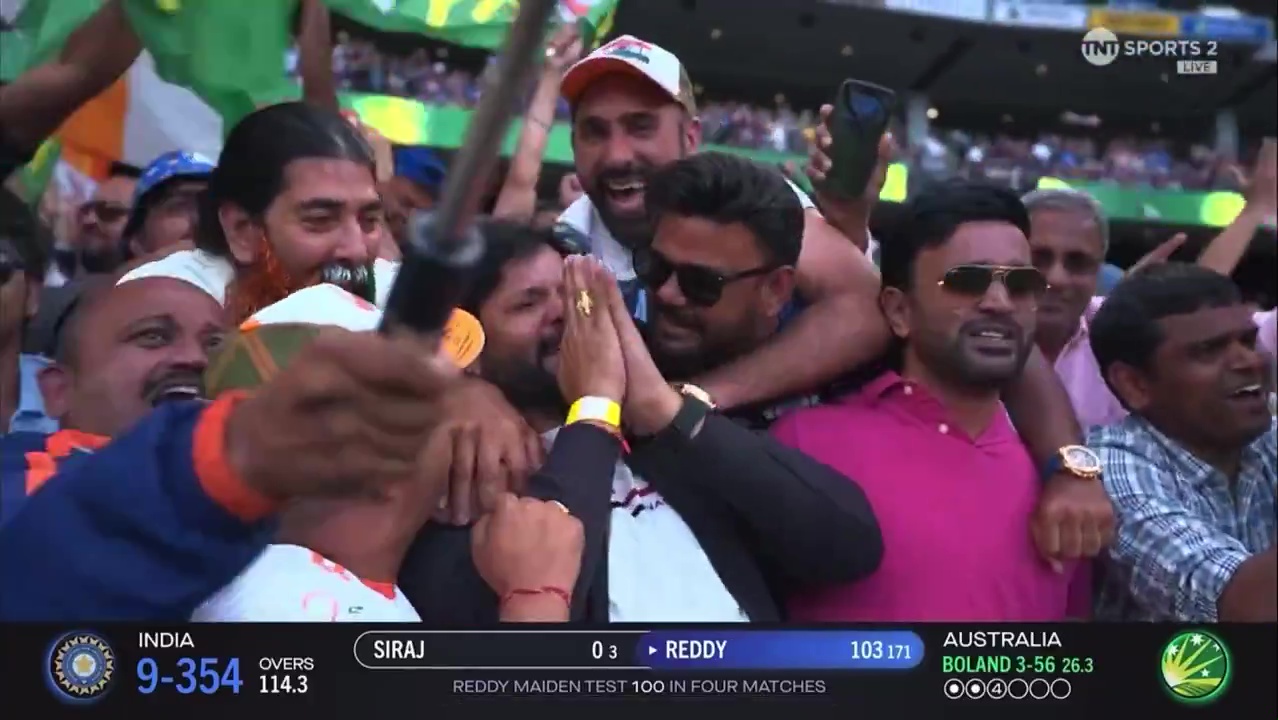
(206, 675)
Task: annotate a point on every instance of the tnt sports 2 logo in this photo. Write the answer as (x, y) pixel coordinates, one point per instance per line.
(1102, 47)
(1196, 667)
(80, 667)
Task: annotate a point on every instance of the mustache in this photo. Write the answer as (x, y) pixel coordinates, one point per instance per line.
(683, 317)
(549, 344)
(186, 377)
(355, 279)
(638, 170)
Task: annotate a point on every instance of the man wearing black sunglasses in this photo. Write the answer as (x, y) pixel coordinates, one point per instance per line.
(721, 266)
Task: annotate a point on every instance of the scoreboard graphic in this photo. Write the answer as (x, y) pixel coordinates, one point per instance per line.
(342, 670)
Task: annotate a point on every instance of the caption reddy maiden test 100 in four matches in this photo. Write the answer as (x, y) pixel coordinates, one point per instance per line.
(1194, 666)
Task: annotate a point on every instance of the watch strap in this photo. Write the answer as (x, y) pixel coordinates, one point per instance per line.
(685, 422)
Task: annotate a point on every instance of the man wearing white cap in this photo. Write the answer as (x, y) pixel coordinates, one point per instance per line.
(633, 112)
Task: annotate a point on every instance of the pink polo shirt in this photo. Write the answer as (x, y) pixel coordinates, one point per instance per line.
(1079, 372)
(954, 512)
(1267, 321)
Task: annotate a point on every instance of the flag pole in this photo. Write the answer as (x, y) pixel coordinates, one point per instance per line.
(443, 247)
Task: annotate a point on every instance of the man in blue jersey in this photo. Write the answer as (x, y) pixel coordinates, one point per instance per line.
(122, 352)
(182, 497)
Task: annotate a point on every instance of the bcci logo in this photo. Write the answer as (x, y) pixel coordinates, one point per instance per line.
(1100, 47)
(80, 667)
(1195, 667)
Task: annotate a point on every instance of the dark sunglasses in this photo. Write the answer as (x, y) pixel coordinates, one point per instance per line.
(701, 285)
(106, 212)
(975, 280)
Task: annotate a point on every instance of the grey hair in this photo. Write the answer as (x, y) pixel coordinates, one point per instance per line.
(1070, 199)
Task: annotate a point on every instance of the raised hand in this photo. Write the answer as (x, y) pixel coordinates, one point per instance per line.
(350, 416)
(1160, 254)
(493, 450)
(563, 49)
(590, 360)
(529, 553)
(650, 401)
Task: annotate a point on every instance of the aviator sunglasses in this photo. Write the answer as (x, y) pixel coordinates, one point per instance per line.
(1021, 283)
(700, 285)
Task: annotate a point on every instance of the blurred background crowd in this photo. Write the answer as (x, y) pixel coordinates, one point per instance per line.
(430, 76)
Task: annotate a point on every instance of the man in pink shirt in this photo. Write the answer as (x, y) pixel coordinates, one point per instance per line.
(1069, 238)
(950, 481)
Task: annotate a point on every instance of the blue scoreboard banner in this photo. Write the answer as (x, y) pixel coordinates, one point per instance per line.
(240, 672)
(1242, 30)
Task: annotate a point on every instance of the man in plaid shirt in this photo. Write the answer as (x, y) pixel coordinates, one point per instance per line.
(1192, 471)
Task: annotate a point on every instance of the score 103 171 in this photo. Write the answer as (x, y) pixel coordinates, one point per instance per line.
(219, 676)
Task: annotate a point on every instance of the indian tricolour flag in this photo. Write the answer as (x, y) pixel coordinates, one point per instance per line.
(134, 121)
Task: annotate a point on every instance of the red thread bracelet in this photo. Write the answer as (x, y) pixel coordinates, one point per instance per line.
(544, 590)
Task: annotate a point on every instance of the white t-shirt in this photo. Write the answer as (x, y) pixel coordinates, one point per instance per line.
(289, 583)
(213, 274)
(582, 216)
(657, 571)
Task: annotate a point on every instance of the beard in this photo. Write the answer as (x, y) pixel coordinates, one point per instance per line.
(529, 385)
(101, 260)
(266, 282)
(528, 388)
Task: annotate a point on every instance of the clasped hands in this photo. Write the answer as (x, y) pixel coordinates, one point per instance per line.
(603, 355)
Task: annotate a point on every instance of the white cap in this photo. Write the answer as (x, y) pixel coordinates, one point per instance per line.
(631, 56)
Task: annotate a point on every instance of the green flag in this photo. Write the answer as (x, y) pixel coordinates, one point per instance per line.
(229, 52)
(33, 179)
(39, 31)
(473, 23)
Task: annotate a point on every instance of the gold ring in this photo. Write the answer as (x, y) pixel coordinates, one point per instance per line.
(584, 303)
(561, 506)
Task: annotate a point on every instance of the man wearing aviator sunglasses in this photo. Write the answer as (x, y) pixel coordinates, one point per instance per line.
(960, 294)
(101, 221)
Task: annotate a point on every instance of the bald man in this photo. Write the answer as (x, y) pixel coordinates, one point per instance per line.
(128, 349)
(123, 351)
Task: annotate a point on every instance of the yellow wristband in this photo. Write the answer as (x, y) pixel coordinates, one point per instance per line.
(596, 409)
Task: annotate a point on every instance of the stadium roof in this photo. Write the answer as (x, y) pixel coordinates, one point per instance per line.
(803, 45)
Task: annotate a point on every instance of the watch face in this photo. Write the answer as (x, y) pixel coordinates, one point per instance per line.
(1080, 458)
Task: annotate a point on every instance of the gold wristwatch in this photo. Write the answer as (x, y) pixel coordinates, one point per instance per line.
(1076, 460)
(695, 392)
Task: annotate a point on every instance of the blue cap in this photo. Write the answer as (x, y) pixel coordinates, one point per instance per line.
(169, 166)
(419, 164)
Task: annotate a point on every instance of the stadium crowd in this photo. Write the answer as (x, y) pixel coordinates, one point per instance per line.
(700, 396)
(1000, 158)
